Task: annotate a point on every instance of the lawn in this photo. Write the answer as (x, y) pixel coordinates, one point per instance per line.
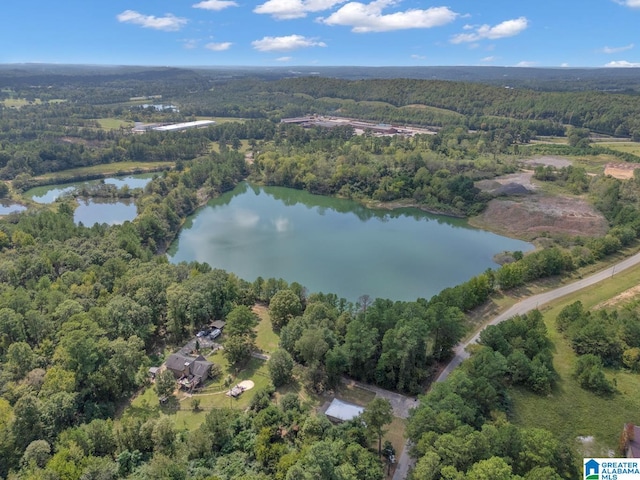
(19, 102)
(626, 147)
(211, 397)
(267, 340)
(570, 411)
(114, 123)
(120, 168)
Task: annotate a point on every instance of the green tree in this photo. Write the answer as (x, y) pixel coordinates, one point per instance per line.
(241, 321)
(377, 414)
(238, 349)
(280, 367)
(284, 305)
(165, 384)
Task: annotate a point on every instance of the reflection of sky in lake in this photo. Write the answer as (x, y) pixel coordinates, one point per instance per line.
(10, 208)
(92, 211)
(50, 193)
(328, 249)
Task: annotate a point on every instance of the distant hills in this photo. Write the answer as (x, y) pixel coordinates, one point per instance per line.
(620, 80)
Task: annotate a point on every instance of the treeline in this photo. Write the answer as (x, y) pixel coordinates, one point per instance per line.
(286, 442)
(431, 171)
(601, 338)
(391, 344)
(460, 428)
(601, 112)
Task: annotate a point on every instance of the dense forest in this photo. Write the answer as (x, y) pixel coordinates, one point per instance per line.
(84, 311)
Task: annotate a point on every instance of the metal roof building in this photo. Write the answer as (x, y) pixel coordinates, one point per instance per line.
(184, 126)
(340, 411)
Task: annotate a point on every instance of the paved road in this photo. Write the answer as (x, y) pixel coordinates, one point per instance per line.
(405, 462)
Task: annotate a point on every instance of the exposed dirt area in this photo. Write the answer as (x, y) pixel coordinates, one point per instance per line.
(529, 216)
(546, 160)
(527, 213)
(625, 297)
(622, 171)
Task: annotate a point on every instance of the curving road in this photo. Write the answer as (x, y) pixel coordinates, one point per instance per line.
(520, 308)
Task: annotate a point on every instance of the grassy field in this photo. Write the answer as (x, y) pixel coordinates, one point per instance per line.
(267, 339)
(211, 397)
(571, 412)
(215, 146)
(120, 168)
(19, 102)
(114, 123)
(626, 147)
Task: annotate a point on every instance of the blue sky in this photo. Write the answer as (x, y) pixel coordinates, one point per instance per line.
(543, 33)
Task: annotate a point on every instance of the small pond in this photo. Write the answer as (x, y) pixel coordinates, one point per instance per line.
(50, 193)
(7, 208)
(104, 210)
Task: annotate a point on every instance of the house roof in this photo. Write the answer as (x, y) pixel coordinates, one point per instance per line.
(343, 411)
(177, 361)
(200, 368)
(218, 324)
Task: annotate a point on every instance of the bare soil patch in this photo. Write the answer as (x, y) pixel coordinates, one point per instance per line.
(548, 161)
(622, 171)
(530, 216)
(624, 297)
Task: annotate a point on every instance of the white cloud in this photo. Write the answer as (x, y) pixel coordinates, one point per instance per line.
(488, 59)
(629, 3)
(215, 5)
(218, 47)
(288, 9)
(525, 63)
(369, 17)
(564, 65)
(623, 64)
(617, 49)
(418, 57)
(168, 23)
(508, 28)
(284, 59)
(289, 42)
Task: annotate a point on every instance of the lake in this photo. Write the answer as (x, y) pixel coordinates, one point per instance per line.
(7, 208)
(336, 246)
(50, 193)
(104, 210)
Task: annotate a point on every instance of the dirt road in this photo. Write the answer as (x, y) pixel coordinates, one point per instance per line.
(520, 308)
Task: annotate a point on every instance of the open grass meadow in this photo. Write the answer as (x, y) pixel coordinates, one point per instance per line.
(114, 123)
(120, 168)
(589, 423)
(267, 340)
(626, 147)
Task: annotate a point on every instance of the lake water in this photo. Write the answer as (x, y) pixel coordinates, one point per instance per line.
(7, 208)
(50, 193)
(104, 210)
(334, 245)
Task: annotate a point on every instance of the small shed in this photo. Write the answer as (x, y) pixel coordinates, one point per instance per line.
(340, 411)
(153, 371)
(218, 324)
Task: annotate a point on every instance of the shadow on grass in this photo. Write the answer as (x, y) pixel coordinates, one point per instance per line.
(170, 405)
